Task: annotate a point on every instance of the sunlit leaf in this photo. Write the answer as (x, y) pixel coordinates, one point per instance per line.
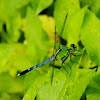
(52, 91)
(40, 5)
(93, 89)
(4, 96)
(91, 36)
(48, 25)
(37, 39)
(33, 82)
(62, 7)
(94, 6)
(73, 27)
(9, 84)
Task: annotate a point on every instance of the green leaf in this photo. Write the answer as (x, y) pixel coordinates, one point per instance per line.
(73, 27)
(33, 82)
(10, 16)
(18, 3)
(94, 5)
(52, 91)
(4, 96)
(37, 39)
(40, 5)
(76, 83)
(91, 36)
(62, 7)
(9, 84)
(8, 6)
(19, 59)
(6, 52)
(80, 84)
(86, 62)
(13, 57)
(34, 32)
(13, 26)
(48, 25)
(93, 89)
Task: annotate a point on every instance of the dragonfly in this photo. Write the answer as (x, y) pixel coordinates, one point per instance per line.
(63, 51)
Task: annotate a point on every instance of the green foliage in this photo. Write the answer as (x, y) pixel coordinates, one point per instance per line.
(62, 7)
(93, 90)
(91, 25)
(93, 5)
(39, 5)
(27, 38)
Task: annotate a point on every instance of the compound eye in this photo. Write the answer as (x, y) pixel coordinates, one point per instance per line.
(72, 45)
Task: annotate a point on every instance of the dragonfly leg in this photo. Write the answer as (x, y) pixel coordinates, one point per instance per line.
(71, 59)
(74, 54)
(65, 58)
(65, 70)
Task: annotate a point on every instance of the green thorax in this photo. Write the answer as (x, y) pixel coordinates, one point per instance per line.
(64, 51)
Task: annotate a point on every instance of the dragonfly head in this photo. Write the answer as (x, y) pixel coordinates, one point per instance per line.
(73, 47)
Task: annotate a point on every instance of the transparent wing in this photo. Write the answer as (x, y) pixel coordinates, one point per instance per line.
(54, 52)
(63, 26)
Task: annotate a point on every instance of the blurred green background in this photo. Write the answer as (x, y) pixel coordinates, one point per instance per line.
(27, 30)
